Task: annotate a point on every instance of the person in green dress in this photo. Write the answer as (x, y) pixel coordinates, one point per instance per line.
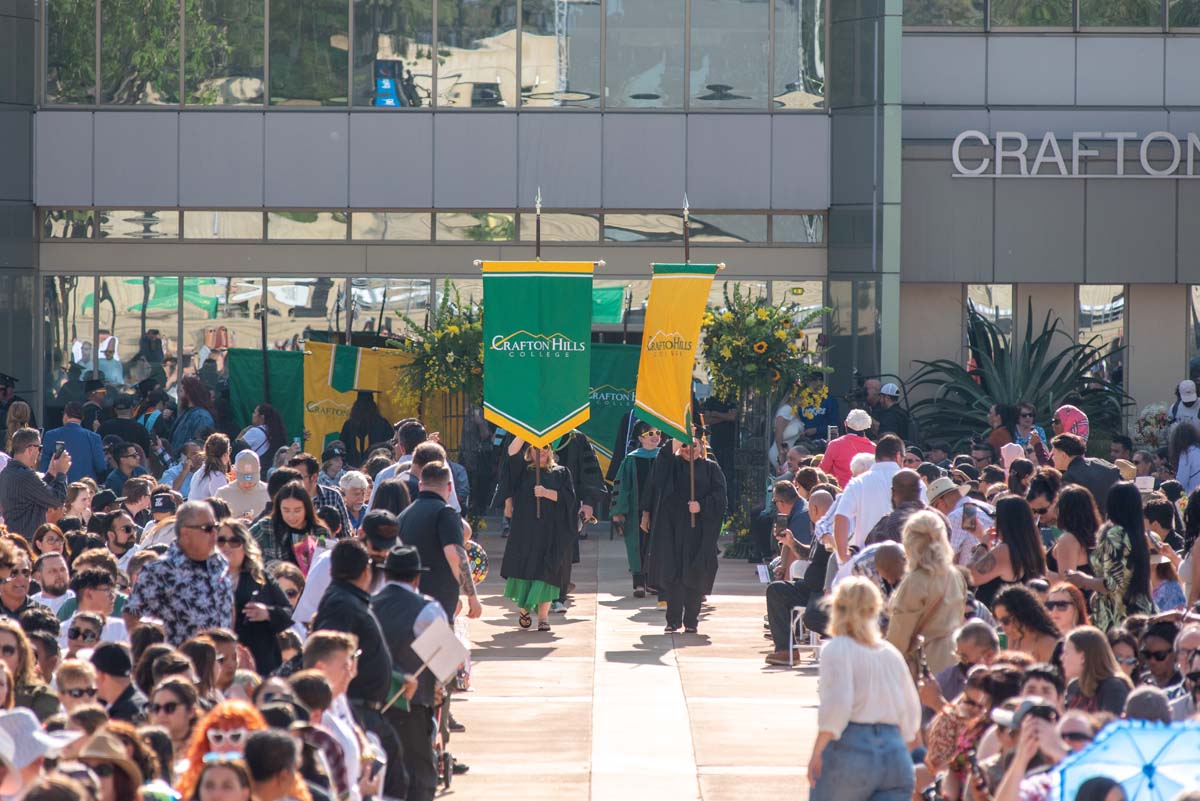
(542, 509)
(1120, 562)
(627, 488)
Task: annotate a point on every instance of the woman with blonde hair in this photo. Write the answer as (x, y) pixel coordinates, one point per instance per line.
(869, 710)
(927, 606)
(18, 418)
(1095, 681)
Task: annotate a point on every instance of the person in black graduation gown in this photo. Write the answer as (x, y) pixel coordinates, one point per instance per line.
(574, 452)
(682, 557)
(538, 549)
(363, 428)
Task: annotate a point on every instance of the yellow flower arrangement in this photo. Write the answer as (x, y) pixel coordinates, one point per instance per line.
(808, 402)
(760, 347)
(448, 351)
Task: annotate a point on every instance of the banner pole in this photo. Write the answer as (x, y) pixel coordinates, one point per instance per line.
(687, 259)
(537, 476)
(692, 477)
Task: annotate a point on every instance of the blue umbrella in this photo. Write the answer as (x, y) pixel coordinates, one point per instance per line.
(1151, 761)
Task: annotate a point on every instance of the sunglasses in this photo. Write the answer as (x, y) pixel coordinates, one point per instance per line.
(219, 738)
(1157, 656)
(1126, 660)
(103, 770)
(232, 542)
(651, 434)
(1027, 414)
(1061, 605)
(1076, 737)
(165, 709)
(1042, 510)
(124, 529)
(292, 594)
(22, 572)
(80, 692)
(87, 635)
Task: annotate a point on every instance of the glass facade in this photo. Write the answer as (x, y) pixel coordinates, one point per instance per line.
(393, 54)
(1032, 13)
(70, 51)
(799, 68)
(477, 53)
(993, 301)
(730, 54)
(944, 13)
(644, 54)
(223, 52)
(1088, 15)
(1102, 318)
(139, 52)
(310, 52)
(1120, 13)
(560, 54)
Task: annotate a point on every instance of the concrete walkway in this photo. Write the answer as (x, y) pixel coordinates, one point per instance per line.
(606, 707)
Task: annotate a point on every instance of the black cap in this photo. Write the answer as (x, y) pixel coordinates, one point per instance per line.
(404, 559)
(113, 658)
(147, 385)
(7, 380)
(112, 442)
(103, 499)
(333, 452)
(162, 503)
(380, 529)
(93, 384)
(125, 402)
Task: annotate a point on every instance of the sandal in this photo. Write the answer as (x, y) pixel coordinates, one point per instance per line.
(543, 625)
(524, 621)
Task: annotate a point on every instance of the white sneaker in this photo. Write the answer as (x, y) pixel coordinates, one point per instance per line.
(558, 608)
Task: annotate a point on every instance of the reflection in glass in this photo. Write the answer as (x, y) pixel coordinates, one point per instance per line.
(470, 290)
(1184, 13)
(808, 296)
(644, 48)
(560, 53)
(730, 42)
(807, 229)
(309, 52)
(302, 307)
(719, 290)
(854, 337)
(561, 227)
(390, 225)
(378, 302)
(139, 52)
(1193, 326)
(203, 224)
(67, 224)
(1031, 13)
(67, 330)
(138, 224)
(71, 51)
(799, 53)
(219, 313)
(728, 228)
(1102, 321)
(223, 52)
(393, 53)
(993, 301)
(477, 53)
(1126, 14)
(462, 226)
(652, 227)
(306, 225)
(139, 316)
(944, 13)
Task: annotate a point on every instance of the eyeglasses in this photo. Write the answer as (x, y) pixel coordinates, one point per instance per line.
(165, 709)
(232, 542)
(207, 528)
(219, 738)
(1043, 510)
(80, 692)
(1061, 605)
(1157, 656)
(18, 572)
(103, 770)
(1126, 660)
(87, 635)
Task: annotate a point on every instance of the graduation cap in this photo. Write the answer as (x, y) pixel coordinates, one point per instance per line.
(93, 385)
(146, 386)
(7, 380)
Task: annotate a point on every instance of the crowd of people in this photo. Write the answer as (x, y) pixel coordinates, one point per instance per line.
(984, 614)
(187, 613)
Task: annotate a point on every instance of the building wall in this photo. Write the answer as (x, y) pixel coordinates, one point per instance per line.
(931, 325)
(1157, 353)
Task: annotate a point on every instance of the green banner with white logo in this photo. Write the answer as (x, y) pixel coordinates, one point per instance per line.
(614, 379)
(537, 338)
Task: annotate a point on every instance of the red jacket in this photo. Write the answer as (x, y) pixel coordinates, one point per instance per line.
(840, 451)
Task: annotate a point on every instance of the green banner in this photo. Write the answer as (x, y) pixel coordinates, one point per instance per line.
(286, 371)
(614, 378)
(537, 338)
(608, 305)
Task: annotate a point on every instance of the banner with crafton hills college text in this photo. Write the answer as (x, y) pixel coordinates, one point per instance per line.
(537, 345)
(614, 378)
(678, 295)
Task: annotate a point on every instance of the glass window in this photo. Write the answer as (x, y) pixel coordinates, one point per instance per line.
(1185, 13)
(808, 296)
(561, 227)
(485, 226)
(644, 47)
(728, 227)
(67, 330)
(393, 53)
(1032, 13)
(219, 313)
(730, 41)
(139, 52)
(799, 53)
(721, 288)
(223, 52)
(71, 51)
(306, 224)
(993, 301)
(302, 307)
(309, 52)
(139, 315)
(477, 54)
(1193, 326)
(202, 224)
(379, 302)
(806, 229)
(67, 224)
(651, 227)
(853, 333)
(1102, 321)
(1120, 13)
(470, 290)
(138, 224)
(944, 13)
(389, 225)
(560, 54)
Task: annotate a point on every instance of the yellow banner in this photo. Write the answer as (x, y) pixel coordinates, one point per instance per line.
(678, 295)
(350, 369)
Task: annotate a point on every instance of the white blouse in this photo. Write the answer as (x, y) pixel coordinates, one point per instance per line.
(866, 684)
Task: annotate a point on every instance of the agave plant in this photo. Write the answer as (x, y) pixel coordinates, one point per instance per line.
(1044, 371)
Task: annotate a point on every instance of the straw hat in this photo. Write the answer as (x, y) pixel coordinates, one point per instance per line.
(104, 747)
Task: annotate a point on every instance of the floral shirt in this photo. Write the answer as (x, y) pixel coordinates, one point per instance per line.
(1110, 562)
(187, 596)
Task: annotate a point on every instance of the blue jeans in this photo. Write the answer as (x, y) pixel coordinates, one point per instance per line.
(869, 762)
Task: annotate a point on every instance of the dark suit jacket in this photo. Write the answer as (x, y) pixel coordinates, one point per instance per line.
(1095, 474)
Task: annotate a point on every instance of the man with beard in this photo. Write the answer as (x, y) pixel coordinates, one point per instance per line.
(50, 571)
(684, 527)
